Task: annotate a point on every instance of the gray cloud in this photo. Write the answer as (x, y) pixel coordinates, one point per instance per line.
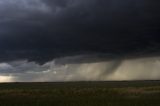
(41, 30)
(52, 40)
(21, 9)
(134, 69)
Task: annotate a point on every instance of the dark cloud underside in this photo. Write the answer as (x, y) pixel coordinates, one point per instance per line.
(41, 30)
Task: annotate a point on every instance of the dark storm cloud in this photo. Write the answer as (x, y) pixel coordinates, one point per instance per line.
(40, 30)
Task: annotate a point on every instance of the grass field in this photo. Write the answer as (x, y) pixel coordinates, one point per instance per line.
(134, 93)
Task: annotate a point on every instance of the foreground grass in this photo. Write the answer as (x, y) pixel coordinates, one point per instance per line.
(138, 93)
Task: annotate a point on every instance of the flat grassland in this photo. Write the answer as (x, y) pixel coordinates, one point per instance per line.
(131, 93)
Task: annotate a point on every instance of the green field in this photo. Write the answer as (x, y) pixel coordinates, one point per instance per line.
(134, 93)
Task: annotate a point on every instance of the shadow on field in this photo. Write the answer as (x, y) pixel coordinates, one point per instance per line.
(133, 93)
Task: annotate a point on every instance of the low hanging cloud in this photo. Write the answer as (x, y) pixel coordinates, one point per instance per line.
(126, 69)
(54, 40)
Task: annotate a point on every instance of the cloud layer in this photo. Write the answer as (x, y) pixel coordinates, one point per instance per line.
(40, 30)
(135, 69)
(66, 40)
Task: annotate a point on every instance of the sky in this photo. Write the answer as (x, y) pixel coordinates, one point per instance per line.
(79, 40)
